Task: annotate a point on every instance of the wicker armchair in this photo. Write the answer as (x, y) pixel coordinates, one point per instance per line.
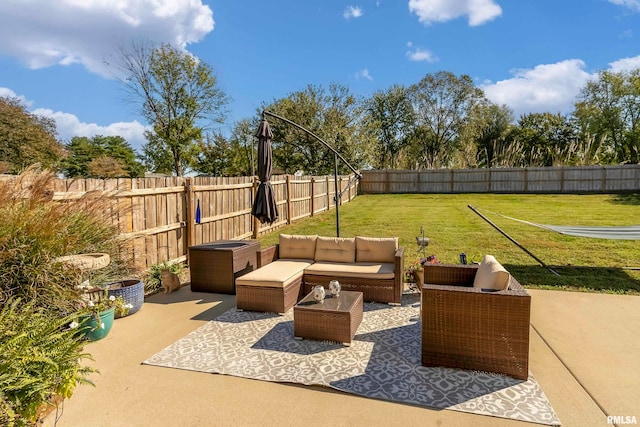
(469, 328)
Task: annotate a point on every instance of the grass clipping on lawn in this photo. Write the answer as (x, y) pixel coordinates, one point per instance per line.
(584, 264)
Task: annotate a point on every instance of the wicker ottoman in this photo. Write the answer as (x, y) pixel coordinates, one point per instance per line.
(273, 288)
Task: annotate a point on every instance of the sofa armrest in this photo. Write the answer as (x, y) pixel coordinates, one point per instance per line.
(399, 274)
(450, 274)
(399, 259)
(267, 255)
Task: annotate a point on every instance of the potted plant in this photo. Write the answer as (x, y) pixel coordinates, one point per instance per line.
(131, 291)
(95, 317)
(415, 270)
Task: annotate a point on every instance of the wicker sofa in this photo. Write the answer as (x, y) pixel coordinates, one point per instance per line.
(288, 271)
(474, 327)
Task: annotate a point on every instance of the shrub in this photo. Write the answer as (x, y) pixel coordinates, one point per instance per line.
(40, 359)
(35, 230)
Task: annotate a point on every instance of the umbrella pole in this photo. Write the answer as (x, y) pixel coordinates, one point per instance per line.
(336, 194)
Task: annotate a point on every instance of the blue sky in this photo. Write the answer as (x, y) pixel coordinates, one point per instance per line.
(532, 55)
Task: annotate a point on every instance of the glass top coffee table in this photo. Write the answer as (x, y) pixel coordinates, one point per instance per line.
(334, 319)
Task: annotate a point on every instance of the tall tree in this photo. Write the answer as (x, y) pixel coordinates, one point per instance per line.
(26, 138)
(180, 97)
(608, 109)
(442, 102)
(547, 139)
(391, 119)
(334, 115)
(485, 134)
(113, 151)
(233, 156)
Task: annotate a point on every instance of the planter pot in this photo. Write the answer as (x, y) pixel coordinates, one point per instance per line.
(132, 291)
(90, 328)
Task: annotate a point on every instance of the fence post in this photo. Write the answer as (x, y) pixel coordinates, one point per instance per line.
(190, 220)
(256, 222)
(313, 182)
(288, 181)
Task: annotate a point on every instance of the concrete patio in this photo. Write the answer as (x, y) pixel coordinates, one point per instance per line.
(584, 352)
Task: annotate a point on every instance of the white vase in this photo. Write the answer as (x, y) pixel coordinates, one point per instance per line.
(319, 293)
(334, 288)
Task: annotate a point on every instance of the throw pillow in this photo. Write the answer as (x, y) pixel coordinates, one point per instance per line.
(491, 275)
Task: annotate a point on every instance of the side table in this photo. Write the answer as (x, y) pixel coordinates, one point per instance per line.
(214, 266)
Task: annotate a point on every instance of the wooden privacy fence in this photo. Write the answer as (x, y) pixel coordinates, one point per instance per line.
(564, 179)
(158, 215)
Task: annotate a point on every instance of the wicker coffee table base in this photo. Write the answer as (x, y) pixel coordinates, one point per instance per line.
(336, 319)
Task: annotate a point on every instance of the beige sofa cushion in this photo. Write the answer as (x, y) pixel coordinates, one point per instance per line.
(277, 274)
(376, 249)
(491, 275)
(297, 247)
(335, 249)
(364, 270)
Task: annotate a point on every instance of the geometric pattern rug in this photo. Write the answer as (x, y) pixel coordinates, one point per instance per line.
(383, 362)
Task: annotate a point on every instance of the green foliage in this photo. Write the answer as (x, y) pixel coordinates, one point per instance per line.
(36, 230)
(153, 278)
(26, 138)
(40, 359)
(101, 157)
(178, 94)
(104, 303)
(234, 156)
(487, 131)
(335, 116)
(391, 118)
(442, 102)
(609, 109)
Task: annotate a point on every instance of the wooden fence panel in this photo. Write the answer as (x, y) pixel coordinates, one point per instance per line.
(508, 180)
(155, 216)
(625, 178)
(563, 179)
(471, 181)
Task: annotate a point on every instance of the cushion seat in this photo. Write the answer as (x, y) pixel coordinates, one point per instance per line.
(277, 274)
(363, 270)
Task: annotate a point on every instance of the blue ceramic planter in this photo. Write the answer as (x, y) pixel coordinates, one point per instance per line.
(131, 290)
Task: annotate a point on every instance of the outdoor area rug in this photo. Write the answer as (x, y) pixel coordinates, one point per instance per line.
(383, 362)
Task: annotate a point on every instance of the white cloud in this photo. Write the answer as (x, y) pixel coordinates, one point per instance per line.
(42, 33)
(545, 88)
(364, 74)
(5, 92)
(479, 11)
(421, 55)
(68, 126)
(625, 64)
(352, 12)
(631, 4)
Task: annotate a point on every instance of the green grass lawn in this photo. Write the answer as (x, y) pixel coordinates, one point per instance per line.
(594, 265)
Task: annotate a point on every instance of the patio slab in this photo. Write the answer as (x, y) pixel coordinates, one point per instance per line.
(128, 393)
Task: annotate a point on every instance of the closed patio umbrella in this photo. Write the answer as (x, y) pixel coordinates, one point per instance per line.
(264, 205)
